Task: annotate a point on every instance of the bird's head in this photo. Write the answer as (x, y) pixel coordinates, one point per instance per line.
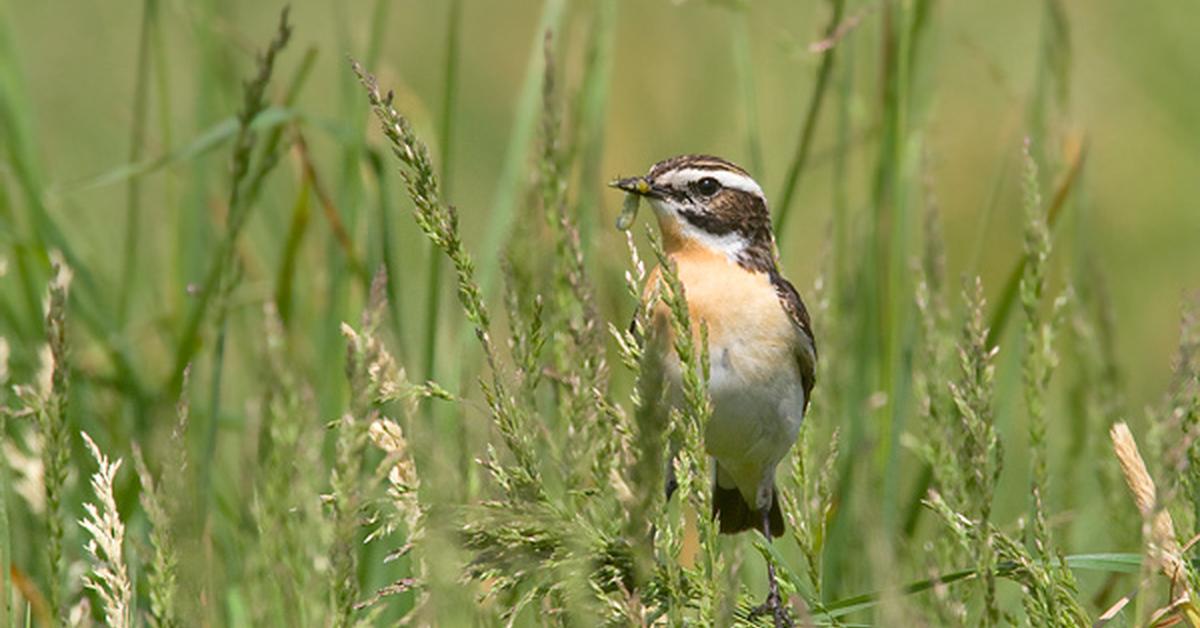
(708, 202)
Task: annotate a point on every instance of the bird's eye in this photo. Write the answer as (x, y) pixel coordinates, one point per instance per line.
(707, 186)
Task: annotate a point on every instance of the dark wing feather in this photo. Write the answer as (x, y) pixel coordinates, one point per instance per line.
(806, 352)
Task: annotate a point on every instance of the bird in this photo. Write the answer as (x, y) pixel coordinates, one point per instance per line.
(716, 230)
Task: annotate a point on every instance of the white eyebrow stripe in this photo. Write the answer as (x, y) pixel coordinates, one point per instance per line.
(726, 178)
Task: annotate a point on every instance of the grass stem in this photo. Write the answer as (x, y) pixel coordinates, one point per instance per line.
(809, 127)
(133, 203)
(433, 283)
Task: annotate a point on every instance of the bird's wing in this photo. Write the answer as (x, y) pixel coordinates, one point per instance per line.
(806, 345)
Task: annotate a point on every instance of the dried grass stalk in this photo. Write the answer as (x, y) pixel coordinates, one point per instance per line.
(1164, 547)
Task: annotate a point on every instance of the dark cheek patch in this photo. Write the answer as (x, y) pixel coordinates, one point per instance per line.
(732, 210)
(708, 222)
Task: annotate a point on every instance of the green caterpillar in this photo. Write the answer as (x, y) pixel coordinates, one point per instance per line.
(629, 210)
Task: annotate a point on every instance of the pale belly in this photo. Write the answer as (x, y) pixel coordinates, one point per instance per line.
(756, 416)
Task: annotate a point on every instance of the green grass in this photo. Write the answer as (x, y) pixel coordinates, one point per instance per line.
(368, 355)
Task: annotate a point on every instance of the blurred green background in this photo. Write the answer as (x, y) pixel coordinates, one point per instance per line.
(1117, 78)
(673, 90)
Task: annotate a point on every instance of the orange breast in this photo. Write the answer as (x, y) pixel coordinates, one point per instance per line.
(739, 307)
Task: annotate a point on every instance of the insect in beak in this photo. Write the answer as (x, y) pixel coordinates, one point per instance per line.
(629, 210)
(635, 188)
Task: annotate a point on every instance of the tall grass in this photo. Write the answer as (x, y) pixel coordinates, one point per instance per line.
(317, 440)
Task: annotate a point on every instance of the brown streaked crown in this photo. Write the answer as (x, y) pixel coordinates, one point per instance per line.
(700, 162)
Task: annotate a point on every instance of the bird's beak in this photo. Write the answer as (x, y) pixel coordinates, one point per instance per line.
(635, 185)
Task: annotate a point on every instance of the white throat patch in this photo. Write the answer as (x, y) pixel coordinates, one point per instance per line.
(731, 244)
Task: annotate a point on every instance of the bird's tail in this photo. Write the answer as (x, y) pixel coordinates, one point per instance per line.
(735, 515)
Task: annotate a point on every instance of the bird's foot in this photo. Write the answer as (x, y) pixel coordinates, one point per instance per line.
(774, 607)
(774, 604)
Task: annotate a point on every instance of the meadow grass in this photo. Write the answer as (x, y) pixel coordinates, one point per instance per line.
(318, 437)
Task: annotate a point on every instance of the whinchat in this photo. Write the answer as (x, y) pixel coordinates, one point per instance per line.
(716, 228)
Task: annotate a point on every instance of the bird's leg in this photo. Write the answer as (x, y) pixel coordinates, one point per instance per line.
(773, 604)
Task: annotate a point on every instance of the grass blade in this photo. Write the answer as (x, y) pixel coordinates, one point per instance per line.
(330, 211)
(433, 281)
(297, 228)
(520, 142)
(743, 65)
(88, 306)
(809, 127)
(212, 138)
(137, 141)
(244, 186)
(591, 111)
(1104, 562)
